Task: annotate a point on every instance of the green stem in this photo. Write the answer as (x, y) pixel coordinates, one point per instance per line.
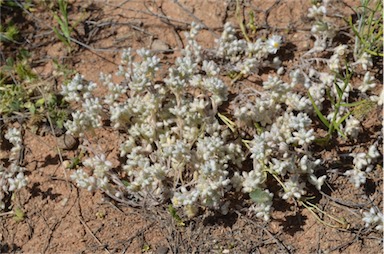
(239, 19)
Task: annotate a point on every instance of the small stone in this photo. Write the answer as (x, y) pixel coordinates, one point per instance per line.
(67, 142)
(158, 45)
(64, 202)
(66, 164)
(162, 250)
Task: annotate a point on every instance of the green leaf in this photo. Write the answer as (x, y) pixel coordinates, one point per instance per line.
(322, 118)
(339, 91)
(258, 127)
(337, 124)
(63, 6)
(30, 106)
(19, 214)
(65, 29)
(126, 183)
(259, 196)
(175, 216)
(61, 37)
(74, 162)
(145, 248)
(353, 104)
(10, 62)
(40, 102)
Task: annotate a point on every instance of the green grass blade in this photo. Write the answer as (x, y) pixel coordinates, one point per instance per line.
(339, 91)
(338, 123)
(322, 118)
(353, 104)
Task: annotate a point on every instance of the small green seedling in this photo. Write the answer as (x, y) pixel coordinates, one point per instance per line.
(63, 32)
(145, 248)
(76, 161)
(8, 33)
(19, 215)
(175, 216)
(100, 214)
(251, 25)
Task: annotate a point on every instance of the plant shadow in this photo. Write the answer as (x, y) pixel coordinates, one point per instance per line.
(49, 160)
(294, 223)
(48, 194)
(9, 248)
(227, 220)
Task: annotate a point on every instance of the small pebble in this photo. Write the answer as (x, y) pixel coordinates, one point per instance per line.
(67, 142)
(158, 45)
(162, 250)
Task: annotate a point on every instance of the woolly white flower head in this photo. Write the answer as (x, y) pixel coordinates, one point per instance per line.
(374, 218)
(316, 11)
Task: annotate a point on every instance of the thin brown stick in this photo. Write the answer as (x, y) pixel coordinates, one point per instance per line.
(93, 235)
(277, 241)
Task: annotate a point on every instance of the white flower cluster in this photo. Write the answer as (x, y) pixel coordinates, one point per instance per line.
(282, 150)
(80, 91)
(77, 90)
(365, 60)
(323, 28)
(368, 83)
(12, 178)
(263, 106)
(335, 62)
(247, 57)
(321, 83)
(374, 218)
(363, 164)
(99, 180)
(176, 149)
(263, 207)
(281, 146)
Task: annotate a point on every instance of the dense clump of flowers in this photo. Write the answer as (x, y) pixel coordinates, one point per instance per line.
(363, 164)
(374, 218)
(246, 57)
(12, 178)
(175, 148)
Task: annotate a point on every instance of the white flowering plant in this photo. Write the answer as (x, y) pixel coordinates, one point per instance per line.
(178, 147)
(374, 218)
(175, 149)
(12, 177)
